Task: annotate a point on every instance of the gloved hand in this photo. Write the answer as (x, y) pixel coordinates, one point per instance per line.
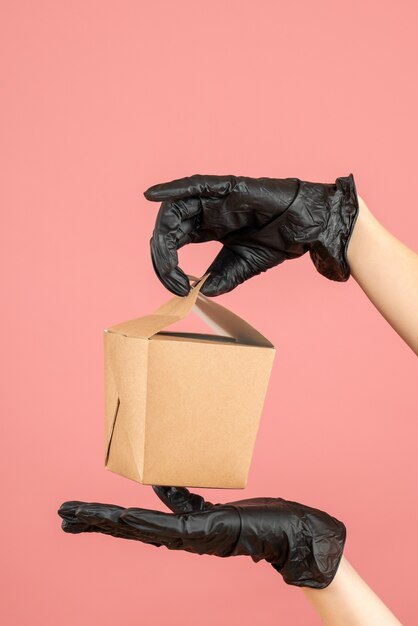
(305, 545)
(260, 221)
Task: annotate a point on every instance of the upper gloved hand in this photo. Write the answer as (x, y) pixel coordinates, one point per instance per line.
(304, 544)
(260, 221)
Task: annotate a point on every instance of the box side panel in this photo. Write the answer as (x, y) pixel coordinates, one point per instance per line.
(126, 362)
(110, 387)
(203, 411)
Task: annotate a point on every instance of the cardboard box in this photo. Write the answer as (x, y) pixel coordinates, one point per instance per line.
(183, 409)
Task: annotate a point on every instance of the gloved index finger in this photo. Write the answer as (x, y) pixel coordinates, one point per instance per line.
(198, 531)
(204, 185)
(172, 227)
(147, 525)
(165, 528)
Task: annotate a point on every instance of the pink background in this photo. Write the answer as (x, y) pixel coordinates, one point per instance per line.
(101, 100)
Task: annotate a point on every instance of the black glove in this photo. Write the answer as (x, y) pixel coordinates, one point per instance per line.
(260, 221)
(305, 545)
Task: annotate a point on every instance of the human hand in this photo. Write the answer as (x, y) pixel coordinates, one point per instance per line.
(304, 544)
(261, 222)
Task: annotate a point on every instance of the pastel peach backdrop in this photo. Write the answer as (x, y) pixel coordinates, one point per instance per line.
(101, 100)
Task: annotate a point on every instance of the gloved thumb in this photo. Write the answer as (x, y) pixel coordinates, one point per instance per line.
(181, 500)
(228, 270)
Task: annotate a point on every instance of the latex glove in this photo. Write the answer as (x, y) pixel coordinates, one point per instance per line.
(260, 221)
(304, 544)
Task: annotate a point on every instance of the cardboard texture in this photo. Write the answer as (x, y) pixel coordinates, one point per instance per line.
(183, 409)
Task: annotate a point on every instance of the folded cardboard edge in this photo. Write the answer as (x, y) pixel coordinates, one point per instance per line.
(125, 400)
(225, 322)
(219, 318)
(172, 311)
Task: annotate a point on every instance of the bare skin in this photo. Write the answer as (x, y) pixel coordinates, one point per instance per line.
(349, 601)
(387, 271)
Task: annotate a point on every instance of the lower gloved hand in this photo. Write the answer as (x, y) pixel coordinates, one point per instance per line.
(260, 221)
(304, 544)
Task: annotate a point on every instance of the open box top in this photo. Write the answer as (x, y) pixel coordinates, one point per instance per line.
(225, 323)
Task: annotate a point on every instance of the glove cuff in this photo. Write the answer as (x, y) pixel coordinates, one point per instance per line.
(329, 252)
(317, 566)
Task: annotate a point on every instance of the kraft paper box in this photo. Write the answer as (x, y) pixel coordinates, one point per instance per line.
(183, 409)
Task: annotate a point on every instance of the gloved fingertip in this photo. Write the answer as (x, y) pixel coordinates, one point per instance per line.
(67, 509)
(73, 528)
(161, 490)
(151, 194)
(177, 282)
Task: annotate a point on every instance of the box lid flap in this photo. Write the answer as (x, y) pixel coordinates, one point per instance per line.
(228, 324)
(172, 311)
(217, 317)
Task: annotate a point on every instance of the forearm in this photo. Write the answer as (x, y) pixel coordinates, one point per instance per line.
(387, 271)
(349, 601)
